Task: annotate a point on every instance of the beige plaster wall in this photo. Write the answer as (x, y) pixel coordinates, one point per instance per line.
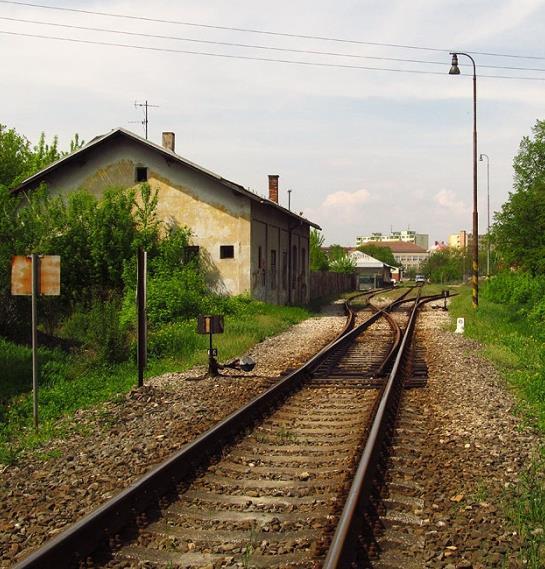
(215, 214)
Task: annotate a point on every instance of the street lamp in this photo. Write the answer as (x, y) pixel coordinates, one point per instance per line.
(455, 70)
(487, 211)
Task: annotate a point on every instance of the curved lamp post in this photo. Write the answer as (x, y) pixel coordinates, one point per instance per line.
(455, 70)
(481, 156)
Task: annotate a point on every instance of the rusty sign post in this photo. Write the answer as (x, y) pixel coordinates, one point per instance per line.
(35, 275)
(211, 324)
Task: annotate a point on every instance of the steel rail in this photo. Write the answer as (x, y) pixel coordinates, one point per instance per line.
(343, 548)
(88, 534)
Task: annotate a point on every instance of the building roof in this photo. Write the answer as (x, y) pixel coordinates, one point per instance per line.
(365, 261)
(35, 179)
(402, 247)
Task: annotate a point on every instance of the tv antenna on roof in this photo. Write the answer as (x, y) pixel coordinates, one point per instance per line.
(144, 122)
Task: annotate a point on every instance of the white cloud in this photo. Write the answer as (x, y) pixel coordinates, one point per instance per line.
(346, 199)
(449, 202)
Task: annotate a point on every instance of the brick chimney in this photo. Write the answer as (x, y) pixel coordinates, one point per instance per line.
(168, 141)
(273, 188)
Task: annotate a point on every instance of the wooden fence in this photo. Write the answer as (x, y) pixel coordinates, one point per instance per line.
(324, 283)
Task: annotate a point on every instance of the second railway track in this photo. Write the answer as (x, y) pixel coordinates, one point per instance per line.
(264, 488)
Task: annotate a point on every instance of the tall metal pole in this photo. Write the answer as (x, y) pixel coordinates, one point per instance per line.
(487, 212)
(475, 278)
(141, 352)
(475, 248)
(35, 274)
(289, 200)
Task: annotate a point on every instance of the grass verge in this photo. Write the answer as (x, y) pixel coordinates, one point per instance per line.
(72, 382)
(517, 351)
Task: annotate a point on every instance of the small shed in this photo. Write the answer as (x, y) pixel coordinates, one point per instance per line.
(370, 272)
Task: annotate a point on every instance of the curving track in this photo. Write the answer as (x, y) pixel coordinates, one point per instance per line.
(266, 486)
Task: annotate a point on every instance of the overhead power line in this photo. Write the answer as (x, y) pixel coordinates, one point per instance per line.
(252, 58)
(254, 46)
(263, 32)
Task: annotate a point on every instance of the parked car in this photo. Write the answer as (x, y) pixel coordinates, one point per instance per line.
(420, 279)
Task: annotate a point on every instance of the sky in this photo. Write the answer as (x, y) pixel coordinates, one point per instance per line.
(362, 150)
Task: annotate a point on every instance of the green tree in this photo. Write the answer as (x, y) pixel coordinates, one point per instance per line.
(318, 259)
(444, 266)
(15, 154)
(518, 233)
(519, 229)
(383, 254)
(529, 163)
(19, 159)
(339, 261)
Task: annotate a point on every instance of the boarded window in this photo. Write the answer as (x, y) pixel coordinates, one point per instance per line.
(141, 174)
(273, 269)
(227, 252)
(284, 270)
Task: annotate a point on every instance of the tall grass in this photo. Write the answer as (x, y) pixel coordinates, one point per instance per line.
(72, 382)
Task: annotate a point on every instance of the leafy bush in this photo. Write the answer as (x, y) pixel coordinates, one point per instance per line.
(100, 330)
(523, 293)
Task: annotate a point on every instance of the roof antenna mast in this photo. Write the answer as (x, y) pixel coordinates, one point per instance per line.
(145, 105)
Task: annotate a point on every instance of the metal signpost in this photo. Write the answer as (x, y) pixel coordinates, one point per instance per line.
(142, 332)
(34, 275)
(211, 324)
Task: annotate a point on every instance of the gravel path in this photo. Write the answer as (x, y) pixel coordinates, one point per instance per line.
(109, 447)
(476, 448)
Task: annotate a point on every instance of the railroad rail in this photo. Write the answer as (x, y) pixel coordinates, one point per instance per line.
(266, 485)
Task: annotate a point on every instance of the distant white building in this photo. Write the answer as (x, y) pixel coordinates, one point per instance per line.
(371, 272)
(405, 236)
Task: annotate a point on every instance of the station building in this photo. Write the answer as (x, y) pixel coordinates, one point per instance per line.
(251, 244)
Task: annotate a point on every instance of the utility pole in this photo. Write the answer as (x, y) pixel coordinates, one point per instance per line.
(145, 105)
(289, 200)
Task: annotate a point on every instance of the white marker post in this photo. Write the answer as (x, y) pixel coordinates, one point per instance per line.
(460, 323)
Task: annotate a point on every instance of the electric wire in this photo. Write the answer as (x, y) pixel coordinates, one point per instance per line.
(263, 32)
(254, 58)
(254, 46)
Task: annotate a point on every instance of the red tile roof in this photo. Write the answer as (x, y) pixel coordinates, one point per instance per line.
(400, 247)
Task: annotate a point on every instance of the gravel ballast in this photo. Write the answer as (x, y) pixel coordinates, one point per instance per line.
(475, 446)
(109, 447)
(475, 451)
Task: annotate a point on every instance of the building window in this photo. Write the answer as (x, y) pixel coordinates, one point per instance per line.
(303, 260)
(227, 252)
(273, 269)
(189, 253)
(141, 174)
(284, 270)
(259, 258)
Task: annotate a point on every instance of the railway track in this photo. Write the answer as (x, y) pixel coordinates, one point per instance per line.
(267, 486)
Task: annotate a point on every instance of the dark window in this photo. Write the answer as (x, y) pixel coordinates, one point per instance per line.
(189, 253)
(284, 270)
(273, 269)
(227, 252)
(303, 260)
(259, 258)
(141, 174)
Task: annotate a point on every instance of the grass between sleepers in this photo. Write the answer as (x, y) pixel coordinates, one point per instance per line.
(518, 352)
(72, 382)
